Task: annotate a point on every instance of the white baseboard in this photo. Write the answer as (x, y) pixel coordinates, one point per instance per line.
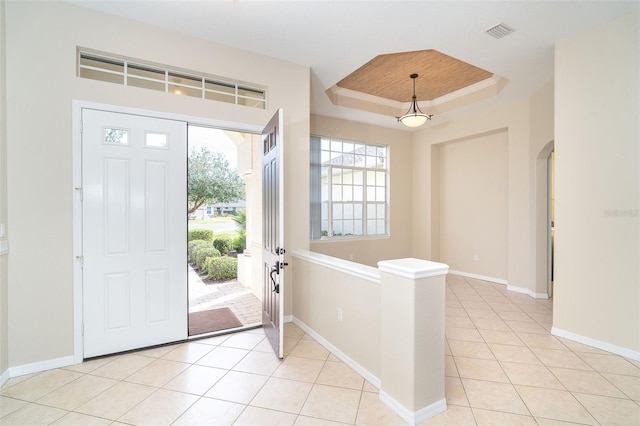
(527, 292)
(627, 353)
(37, 367)
(288, 318)
(370, 377)
(503, 282)
(4, 377)
(479, 277)
(415, 417)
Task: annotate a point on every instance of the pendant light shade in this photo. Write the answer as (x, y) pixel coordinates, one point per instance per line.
(414, 116)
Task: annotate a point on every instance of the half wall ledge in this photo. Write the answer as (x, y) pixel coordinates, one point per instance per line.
(389, 325)
(412, 293)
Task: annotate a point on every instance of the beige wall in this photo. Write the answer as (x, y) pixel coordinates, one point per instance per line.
(527, 126)
(424, 165)
(597, 234)
(4, 302)
(542, 143)
(515, 120)
(41, 42)
(321, 291)
(473, 205)
(398, 244)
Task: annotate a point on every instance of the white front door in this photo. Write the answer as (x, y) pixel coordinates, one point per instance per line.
(273, 233)
(134, 231)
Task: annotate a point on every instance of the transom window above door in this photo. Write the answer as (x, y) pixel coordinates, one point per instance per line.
(146, 75)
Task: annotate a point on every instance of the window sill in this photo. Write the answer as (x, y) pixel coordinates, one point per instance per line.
(349, 239)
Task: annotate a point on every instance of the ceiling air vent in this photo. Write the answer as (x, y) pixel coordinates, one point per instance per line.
(499, 31)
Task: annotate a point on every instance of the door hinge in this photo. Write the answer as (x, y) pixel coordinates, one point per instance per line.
(81, 260)
(82, 329)
(79, 189)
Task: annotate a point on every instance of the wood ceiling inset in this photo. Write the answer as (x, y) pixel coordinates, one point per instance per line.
(387, 76)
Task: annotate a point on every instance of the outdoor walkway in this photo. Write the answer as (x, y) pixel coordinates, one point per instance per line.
(242, 302)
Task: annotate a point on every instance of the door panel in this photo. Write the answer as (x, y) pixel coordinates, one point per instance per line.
(117, 301)
(134, 232)
(157, 296)
(155, 210)
(116, 205)
(273, 233)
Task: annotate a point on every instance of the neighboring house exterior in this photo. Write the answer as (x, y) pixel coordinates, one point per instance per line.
(218, 209)
(588, 113)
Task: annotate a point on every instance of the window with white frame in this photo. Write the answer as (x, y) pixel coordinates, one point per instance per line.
(349, 189)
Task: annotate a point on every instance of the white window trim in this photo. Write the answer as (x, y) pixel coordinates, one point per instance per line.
(317, 214)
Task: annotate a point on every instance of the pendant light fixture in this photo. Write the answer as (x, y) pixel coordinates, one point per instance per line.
(414, 116)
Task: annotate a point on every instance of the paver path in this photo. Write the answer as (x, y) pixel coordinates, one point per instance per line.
(244, 304)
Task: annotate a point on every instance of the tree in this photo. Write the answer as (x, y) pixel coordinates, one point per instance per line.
(211, 180)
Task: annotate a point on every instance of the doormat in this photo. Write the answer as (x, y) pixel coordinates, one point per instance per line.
(212, 320)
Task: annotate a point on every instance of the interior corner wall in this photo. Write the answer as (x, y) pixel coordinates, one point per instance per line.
(542, 144)
(597, 149)
(369, 251)
(473, 205)
(41, 85)
(434, 208)
(514, 119)
(4, 287)
(422, 218)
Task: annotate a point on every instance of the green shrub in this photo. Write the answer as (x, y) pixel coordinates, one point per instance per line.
(224, 244)
(241, 219)
(201, 255)
(240, 243)
(221, 268)
(195, 244)
(200, 234)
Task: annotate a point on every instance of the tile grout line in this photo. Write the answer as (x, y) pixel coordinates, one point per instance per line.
(478, 293)
(568, 349)
(503, 371)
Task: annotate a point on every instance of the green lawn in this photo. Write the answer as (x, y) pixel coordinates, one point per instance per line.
(229, 233)
(214, 220)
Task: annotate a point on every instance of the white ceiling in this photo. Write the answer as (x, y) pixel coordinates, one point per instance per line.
(336, 37)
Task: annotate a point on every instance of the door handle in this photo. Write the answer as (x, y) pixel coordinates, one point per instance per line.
(275, 270)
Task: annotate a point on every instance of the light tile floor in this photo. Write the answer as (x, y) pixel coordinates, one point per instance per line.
(503, 367)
